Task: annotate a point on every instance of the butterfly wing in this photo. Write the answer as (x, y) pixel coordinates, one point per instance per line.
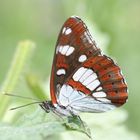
(96, 86)
(74, 46)
(83, 79)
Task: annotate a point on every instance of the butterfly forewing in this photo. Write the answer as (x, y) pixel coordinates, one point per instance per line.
(74, 46)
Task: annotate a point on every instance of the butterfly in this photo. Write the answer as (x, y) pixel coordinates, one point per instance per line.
(83, 79)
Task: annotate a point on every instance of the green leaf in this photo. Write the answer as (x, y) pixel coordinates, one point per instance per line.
(75, 123)
(37, 126)
(34, 132)
(40, 126)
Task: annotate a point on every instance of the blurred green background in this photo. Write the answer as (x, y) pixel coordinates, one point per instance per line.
(41, 20)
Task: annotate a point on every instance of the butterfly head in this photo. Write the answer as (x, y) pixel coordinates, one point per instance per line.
(47, 106)
(57, 109)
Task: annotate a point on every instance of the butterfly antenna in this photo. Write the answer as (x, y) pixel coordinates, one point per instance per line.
(18, 96)
(14, 108)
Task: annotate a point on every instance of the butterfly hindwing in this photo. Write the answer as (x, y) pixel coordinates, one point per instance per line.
(74, 46)
(96, 86)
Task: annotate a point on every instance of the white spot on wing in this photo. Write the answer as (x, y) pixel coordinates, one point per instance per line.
(61, 71)
(70, 51)
(93, 85)
(105, 100)
(86, 75)
(64, 50)
(60, 49)
(68, 31)
(82, 58)
(99, 94)
(78, 74)
(64, 29)
(57, 49)
(99, 88)
(90, 79)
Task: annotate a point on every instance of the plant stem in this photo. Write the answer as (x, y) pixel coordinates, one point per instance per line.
(23, 51)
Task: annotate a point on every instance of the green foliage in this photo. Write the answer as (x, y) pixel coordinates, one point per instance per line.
(40, 21)
(36, 126)
(110, 125)
(42, 126)
(23, 51)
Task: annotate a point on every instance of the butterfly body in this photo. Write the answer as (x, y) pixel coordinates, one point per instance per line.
(82, 78)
